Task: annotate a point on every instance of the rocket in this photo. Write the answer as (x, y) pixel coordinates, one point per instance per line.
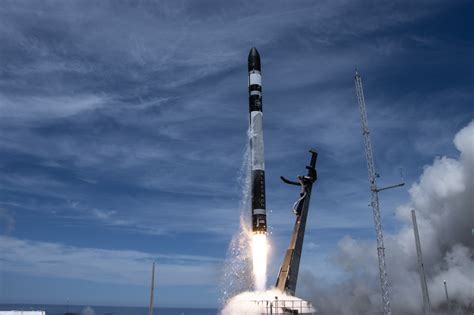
(259, 213)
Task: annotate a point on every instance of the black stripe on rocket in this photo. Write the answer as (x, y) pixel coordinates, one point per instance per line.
(259, 216)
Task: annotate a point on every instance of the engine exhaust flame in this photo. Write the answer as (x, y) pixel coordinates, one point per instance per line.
(259, 255)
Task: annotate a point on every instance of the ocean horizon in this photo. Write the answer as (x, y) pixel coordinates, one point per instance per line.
(55, 309)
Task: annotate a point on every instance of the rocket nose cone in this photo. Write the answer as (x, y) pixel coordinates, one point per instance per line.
(254, 52)
(254, 59)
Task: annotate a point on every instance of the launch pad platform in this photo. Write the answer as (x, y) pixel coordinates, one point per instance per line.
(282, 306)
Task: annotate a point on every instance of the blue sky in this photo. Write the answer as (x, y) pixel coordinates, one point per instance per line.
(123, 132)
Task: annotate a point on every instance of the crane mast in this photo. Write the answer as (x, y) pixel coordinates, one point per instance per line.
(424, 286)
(152, 290)
(374, 196)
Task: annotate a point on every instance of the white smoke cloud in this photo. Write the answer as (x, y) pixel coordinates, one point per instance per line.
(265, 302)
(443, 200)
(88, 311)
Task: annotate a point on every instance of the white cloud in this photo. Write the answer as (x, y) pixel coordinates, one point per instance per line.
(443, 201)
(26, 108)
(102, 265)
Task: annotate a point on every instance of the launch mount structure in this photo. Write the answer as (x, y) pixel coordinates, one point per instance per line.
(374, 190)
(288, 274)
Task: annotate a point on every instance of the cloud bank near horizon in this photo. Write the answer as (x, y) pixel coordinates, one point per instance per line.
(132, 267)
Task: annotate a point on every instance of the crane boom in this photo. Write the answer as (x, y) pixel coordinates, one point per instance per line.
(374, 196)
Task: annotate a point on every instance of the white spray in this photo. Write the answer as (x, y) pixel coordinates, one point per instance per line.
(237, 271)
(245, 267)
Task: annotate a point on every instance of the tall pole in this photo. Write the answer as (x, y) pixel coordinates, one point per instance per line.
(387, 309)
(424, 287)
(152, 291)
(447, 297)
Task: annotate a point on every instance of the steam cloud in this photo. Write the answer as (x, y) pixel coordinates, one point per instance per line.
(88, 311)
(443, 200)
(264, 302)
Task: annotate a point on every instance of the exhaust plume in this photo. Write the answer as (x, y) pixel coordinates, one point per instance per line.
(259, 257)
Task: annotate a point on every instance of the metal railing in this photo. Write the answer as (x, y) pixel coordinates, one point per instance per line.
(283, 307)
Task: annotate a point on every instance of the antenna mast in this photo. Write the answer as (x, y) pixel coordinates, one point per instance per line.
(152, 289)
(424, 286)
(447, 297)
(374, 190)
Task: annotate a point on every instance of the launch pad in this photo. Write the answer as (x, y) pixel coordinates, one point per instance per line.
(267, 302)
(287, 307)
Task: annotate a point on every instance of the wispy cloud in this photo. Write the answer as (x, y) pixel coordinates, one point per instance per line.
(46, 108)
(133, 119)
(7, 220)
(169, 116)
(99, 265)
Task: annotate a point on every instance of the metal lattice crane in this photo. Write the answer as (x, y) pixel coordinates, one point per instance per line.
(374, 190)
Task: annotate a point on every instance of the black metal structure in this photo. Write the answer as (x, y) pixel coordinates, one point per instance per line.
(288, 275)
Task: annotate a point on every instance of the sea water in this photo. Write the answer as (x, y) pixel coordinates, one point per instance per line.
(106, 310)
